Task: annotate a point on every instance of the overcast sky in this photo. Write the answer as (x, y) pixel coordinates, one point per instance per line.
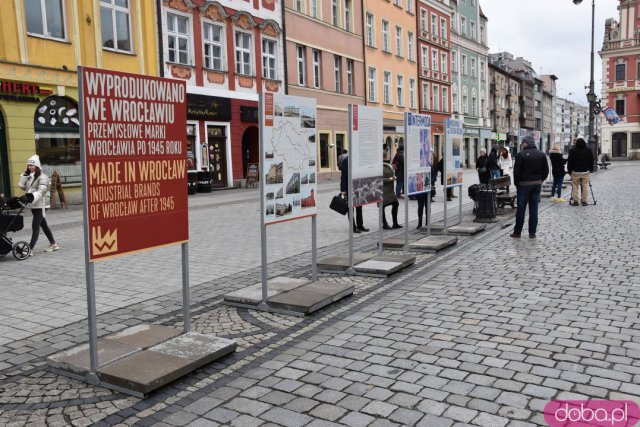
(554, 35)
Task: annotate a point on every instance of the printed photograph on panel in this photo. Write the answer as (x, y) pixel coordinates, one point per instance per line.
(367, 190)
(425, 149)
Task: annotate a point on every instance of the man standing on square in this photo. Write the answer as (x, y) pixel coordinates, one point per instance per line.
(529, 171)
(579, 165)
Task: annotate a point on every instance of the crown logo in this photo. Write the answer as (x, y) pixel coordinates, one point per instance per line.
(104, 243)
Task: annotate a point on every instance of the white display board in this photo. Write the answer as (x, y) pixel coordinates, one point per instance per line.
(417, 153)
(289, 183)
(453, 151)
(365, 154)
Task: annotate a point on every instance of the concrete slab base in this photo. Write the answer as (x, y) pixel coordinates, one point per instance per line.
(466, 228)
(487, 220)
(384, 265)
(252, 295)
(398, 242)
(138, 369)
(433, 243)
(310, 298)
(340, 264)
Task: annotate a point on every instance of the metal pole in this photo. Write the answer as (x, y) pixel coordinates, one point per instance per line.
(263, 228)
(406, 182)
(380, 212)
(185, 288)
(314, 253)
(350, 270)
(591, 96)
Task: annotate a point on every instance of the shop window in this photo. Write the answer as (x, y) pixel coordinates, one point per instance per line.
(340, 146)
(57, 137)
(324, 150)
(635, 140)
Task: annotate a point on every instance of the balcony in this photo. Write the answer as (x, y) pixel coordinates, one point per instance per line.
(619, 44)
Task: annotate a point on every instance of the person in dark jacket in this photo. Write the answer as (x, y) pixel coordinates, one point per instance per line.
(557, 171)
(441, 170)
(579, 165)
(492, 163)
(481, 167)
(388, 195)
(530, 170)
(358, 222)
(398, 165)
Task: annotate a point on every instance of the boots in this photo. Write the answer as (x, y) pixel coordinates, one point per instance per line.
(419, 224)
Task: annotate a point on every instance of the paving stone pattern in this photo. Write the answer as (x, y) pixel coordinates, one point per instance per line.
(483, 334)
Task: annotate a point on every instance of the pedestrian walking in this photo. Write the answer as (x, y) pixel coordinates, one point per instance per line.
(388, 195)
(505, 163)
(579, 165)
(492, 163)
(530, 170)
(481, 167)
(36, 185)
(558, 172)
(358, 221)
(398, 165)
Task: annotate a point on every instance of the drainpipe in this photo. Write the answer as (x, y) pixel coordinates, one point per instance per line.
(364, 61)
(159, 38)
(284, 49)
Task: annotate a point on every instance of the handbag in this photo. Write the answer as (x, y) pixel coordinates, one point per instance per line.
(482, 170)
(339, 204)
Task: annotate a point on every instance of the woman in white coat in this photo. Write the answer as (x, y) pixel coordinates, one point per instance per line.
(505, 163)
(36, 185)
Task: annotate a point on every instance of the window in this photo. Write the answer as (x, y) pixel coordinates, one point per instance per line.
(445, 99)
(178, 38)
(347, 14)
(337, 72)
(620, 107)
(398, 41)
(386, 88)
(350, 76)
(269, 59)
(473, 67)
(443, 63)
(454, 102)
(474, 101)
(300, 57)
(400, 90)
(114, 19)
(397, 3)
(324, 149)
(298, 4)
(463, 25)
(45, 18)
(481, 70)
(426, 105)
(243, 53)
(635, 140)
(410, 6)
(482, 40)
(373, 83)
(334, 13)
(385, 36)
(454, 62)
(369, 30)
(425, 57)
(436, 98)
(620, 71)
(434, 24)
(472, 24)
(412, 93)
(313, 8)
(316, 68)
(434, 60)
(463, 64)
(454, 19)
(410, 46)
(443, 28)
(423, 20)
(638, 71)
(212, 41)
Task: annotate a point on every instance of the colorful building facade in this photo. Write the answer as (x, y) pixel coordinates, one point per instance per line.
(41, 45)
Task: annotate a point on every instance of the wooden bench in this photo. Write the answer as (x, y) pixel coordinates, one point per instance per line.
(503, 197)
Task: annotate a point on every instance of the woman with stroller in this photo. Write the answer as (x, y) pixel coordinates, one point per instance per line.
(36, 185)
(557, 170)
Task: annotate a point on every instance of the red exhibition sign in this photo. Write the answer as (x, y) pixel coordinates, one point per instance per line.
(134, 137)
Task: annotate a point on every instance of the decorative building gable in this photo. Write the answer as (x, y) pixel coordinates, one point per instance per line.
(244, 20)
(214, 11)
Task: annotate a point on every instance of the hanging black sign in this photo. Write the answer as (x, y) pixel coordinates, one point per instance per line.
(202, 107)
(248, 113)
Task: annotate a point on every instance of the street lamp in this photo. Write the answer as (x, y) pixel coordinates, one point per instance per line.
(594, 102)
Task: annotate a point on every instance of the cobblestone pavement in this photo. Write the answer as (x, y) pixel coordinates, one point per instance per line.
(482, 334)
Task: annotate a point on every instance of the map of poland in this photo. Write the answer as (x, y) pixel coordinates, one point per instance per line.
(290, 143)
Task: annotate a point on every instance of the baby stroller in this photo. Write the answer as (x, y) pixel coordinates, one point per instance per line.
(11, 221)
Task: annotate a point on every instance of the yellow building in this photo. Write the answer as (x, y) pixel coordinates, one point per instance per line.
(41, 44)
(390, 60)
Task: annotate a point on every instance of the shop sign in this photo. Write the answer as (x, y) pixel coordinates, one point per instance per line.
(248, 113)
(135, 161)
(21, 91)
(213, 108)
